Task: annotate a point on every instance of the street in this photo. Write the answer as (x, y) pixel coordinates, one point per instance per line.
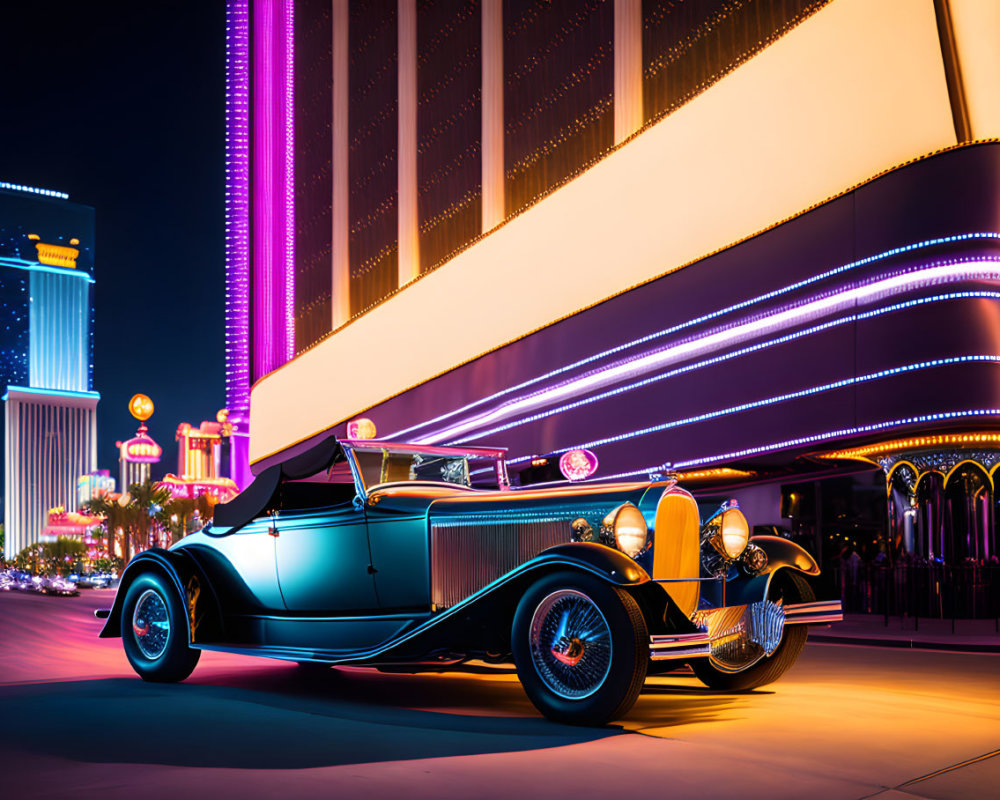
(846, 722)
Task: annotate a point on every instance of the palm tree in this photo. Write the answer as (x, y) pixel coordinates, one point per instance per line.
(149, 499)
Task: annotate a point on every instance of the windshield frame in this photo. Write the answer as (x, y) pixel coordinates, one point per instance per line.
(497, 453)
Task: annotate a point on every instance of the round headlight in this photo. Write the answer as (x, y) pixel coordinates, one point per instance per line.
(628, 527)
(735, 532)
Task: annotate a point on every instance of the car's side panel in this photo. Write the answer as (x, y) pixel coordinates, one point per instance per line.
(783, 553)
(323, 561)
(241, 563)
(400, 555)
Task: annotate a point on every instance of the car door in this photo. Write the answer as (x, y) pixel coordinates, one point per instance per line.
(323, 560)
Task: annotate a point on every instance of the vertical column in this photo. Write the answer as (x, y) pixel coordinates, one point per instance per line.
(408, 222)
(340, 260)
(628, 68)
(237, 206)
(492, 100)
(273, 205)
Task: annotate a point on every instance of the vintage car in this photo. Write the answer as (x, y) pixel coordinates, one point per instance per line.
(410, 557)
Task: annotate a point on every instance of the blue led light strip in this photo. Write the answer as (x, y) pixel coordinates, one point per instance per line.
(811, 439)
(727, 357)
(705, 318)
(17, 187)
(797, 314)
(34, 266)
(50, 393)
(769, 401)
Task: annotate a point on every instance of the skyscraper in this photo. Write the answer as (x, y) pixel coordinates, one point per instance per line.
(46, 355)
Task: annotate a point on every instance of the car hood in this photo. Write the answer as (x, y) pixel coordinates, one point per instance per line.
(441, 502)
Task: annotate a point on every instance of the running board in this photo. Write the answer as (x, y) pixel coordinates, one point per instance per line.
(820, 612)
(665, 647)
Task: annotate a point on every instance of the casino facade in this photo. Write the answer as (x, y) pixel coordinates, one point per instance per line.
(752, 242)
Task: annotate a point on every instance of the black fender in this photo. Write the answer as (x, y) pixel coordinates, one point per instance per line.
(204, 616)
(781, 554)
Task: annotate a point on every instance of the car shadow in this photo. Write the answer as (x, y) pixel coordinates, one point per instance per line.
(280, 717)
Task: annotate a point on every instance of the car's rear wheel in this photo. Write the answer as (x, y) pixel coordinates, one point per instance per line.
(154, 631)
(786, 587)
(581, 648)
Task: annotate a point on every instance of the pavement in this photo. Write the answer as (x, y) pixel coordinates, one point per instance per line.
(960, 635)
(847, 722)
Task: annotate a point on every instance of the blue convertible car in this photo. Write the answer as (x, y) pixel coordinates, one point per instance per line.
(409, 557)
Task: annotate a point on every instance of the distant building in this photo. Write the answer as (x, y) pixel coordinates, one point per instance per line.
(136, 457)
(94, 484)
(46, 355)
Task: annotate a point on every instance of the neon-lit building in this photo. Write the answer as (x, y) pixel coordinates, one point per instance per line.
(93, 485)
(46, 355)
(136, 457)
(755, 243)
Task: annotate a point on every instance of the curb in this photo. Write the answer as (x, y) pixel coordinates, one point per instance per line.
(907, 644)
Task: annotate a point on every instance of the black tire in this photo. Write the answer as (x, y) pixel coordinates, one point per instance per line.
(160, 654)
(790, 587)
(604, 681)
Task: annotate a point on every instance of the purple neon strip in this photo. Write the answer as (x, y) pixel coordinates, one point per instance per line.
(781, 398)
(810, 439)
(789, 316)
(273, 194)
(705, 318)
(731, 355)
(289, 205)
(237, 206)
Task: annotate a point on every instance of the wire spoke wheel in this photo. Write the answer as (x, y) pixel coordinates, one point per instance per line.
(581, 648)
(151, 625)
(154, 630)
(570, 644)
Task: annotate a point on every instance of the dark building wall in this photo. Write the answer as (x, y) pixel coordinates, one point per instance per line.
(839, 374)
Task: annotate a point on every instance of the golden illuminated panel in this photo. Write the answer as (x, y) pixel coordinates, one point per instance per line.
(871, 451)
(676, 551)
(57, 255)
(716, 474)
(855, 89)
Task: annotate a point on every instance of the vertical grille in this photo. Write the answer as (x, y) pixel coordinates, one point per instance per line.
(465, 557)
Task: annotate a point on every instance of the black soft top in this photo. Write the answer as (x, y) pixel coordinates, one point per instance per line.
(260, 494)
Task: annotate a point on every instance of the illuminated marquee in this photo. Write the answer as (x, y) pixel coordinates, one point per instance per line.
(141, 449)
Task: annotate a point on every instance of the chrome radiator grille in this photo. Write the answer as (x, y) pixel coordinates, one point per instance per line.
(467, 556)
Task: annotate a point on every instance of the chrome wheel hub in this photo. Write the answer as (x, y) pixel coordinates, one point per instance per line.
(151, 624)
(570, 644)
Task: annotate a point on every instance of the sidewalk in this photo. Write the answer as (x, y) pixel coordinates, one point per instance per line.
(970, 636)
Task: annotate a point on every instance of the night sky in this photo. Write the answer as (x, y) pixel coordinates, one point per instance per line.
(121, 105)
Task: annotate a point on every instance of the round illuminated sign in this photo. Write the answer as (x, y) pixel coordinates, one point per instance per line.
(141, 450)
(140, 407)
(575, 465)
(361, 429)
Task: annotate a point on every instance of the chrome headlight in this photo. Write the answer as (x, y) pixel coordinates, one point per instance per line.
(727, 531)
(627, 529)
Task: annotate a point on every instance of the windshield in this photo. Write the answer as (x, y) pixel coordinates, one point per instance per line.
(400, 464)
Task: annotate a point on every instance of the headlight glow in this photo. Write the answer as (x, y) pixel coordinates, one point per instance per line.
(735, 533)
(628, 528)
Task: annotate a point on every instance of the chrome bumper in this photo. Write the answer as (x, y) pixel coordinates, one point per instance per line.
(679, 645)
(819, 612)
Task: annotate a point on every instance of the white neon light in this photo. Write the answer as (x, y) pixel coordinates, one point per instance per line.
(17, 187)
(811, 439)
(769, 401)
(983, 269)
(729, 356)
(964, 237)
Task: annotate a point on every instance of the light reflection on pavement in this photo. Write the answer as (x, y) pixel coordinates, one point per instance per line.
(846, 722)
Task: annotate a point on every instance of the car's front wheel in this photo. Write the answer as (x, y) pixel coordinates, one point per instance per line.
(154, 631)
(581, 648)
